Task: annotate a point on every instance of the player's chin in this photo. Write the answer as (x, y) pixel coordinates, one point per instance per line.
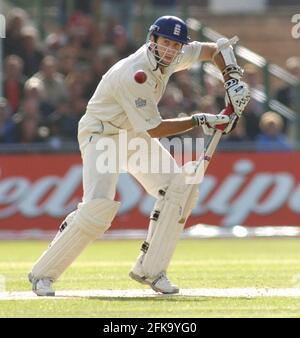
(167, 61)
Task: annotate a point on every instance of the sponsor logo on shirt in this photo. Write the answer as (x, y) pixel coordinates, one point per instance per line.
(140, 103)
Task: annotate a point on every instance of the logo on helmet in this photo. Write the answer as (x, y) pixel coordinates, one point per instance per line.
(177, 30)
(154, 28)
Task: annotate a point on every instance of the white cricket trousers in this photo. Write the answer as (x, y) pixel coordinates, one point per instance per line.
(149, 157)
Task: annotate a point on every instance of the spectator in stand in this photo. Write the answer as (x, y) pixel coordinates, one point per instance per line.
(75, 83)
(30, 52)
(79, 52)
(86, 6)
(14, 81)
(34, 90)
(170, 104)
(253, 76)
(92, 75)
(108, 56)
(79, 29)
(271, 137)
(52, 80)
(121, 43)
(255, 108)
(288, 95)
(30, 124)
(16, 20)
(28, 131)
(60, 122)
(209, 105)
(96, 39)
(76, 87)
(190, 91)
(67, 64)
(30, 108)
(214, 87)
(121, 12)
(78, 108)
(64, 121)
(7, 127)
(239, 134)
(55, 41)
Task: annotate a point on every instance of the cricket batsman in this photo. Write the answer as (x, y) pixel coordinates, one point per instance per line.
(126, 100)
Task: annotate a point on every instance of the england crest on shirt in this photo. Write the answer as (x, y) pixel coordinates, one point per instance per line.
(140, 103)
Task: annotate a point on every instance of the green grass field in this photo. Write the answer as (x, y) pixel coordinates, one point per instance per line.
(213, 263)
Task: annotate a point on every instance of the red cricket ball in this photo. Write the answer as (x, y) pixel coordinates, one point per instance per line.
(140, 76)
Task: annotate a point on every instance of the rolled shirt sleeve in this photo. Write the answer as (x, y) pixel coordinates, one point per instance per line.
(191, 53)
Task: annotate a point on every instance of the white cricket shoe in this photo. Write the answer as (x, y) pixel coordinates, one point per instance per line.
(41, 287)
(159, 284)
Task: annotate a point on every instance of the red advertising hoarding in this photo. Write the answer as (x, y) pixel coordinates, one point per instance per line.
(37, 191)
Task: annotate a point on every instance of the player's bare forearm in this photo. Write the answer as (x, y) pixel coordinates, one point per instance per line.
(207, 54)
(219, 62)
(171, 127)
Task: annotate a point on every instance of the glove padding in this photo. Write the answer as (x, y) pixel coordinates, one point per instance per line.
(228, 126)
(233, 120)
(238, 94)
(209, 122)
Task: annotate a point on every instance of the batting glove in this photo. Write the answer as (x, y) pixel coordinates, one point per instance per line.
(238, 94)
(209, 122)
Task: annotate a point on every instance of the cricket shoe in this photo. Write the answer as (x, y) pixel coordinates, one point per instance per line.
(41, 287)
(159, 284)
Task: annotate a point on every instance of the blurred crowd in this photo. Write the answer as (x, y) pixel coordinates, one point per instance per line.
(48, 82)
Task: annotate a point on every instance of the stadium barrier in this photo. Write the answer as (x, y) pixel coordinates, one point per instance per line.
(252, 189)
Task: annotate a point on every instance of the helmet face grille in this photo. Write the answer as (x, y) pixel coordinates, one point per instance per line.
(167, 56)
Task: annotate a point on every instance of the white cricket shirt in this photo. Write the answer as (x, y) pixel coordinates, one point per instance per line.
(119, 97)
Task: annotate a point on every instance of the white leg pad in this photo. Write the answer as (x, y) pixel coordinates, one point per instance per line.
(89, 221)
(172, 211)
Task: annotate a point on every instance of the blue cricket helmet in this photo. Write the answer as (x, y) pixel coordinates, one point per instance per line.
(170, 27)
